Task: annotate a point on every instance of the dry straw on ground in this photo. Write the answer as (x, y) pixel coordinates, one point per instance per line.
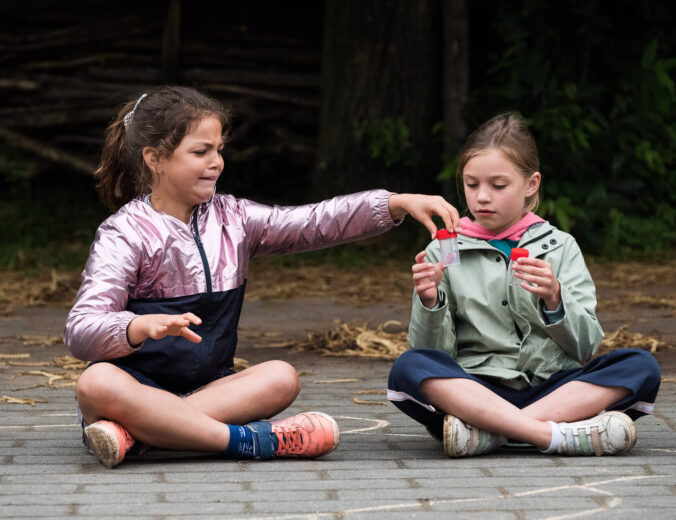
(626, 274)
(21, 400)
(636, 299)
(63, 372)
(622, 338)
(40, 340)
(55, 287)
(383, 283)
(387, 341)
(240, 364)
(357, 340)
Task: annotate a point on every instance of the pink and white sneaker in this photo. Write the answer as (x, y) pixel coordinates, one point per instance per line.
(109, 441)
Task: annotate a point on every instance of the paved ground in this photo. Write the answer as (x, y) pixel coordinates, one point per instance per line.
(386, 466)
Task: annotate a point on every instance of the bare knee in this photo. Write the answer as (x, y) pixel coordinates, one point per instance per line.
(100, 388)
(283, 382)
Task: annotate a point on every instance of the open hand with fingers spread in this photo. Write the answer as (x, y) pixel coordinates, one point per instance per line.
(540, 273)
(157, 326)
(426, 279)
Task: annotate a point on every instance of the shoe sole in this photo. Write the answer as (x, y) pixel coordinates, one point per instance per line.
(448, 433)
(103, 445)
(334, 427)
(630, 427)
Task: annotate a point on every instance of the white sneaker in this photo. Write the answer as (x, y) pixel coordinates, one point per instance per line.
(464, 440)
(609, 433)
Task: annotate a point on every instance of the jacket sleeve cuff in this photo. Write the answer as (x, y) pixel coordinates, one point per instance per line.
(134, 347)
(384, 211)
(432, 315)
(122, 336)
(555, 316)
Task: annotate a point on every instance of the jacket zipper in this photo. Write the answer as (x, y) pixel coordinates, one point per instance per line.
(200, 246)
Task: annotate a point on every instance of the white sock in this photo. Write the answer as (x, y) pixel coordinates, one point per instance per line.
(557, 438)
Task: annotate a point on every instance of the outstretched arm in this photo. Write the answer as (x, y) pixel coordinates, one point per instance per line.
(422, 207)
(342, 219)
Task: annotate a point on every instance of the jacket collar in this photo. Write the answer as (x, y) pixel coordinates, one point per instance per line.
(540, 238)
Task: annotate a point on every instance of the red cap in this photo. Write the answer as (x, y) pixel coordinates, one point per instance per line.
(445, 233)
(518, 252)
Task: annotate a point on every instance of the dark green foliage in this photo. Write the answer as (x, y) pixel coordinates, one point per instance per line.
(388, 141)
(47, 221)
(595, 80)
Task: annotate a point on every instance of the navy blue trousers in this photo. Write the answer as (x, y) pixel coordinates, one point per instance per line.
(634, 369)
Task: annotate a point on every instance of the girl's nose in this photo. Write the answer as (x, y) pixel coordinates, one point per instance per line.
(483, 195)
(216, 161)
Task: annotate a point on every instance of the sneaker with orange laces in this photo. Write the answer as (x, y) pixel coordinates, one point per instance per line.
(307, 435)
(109, 441)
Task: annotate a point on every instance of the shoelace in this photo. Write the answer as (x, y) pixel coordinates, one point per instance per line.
(290, 439)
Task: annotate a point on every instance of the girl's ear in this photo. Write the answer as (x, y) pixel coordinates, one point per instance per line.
(533, 184)
(152, 158)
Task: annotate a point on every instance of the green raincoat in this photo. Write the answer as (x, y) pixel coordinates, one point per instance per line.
(493, 329)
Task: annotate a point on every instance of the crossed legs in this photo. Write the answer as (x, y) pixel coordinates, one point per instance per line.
(477, 405)
(198, 422)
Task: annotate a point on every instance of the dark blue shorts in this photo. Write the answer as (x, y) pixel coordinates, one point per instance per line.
(634, 369)
(147, 380)
(138, 447)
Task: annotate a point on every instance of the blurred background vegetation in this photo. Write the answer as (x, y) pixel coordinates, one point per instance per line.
(335, 96)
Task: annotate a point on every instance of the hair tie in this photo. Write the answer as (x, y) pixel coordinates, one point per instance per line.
(130, 115)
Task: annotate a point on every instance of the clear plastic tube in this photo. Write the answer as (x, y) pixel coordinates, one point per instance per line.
(517, 252)
(448, 242)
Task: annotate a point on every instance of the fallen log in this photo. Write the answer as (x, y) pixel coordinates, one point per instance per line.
(264, 94)
(46, 151)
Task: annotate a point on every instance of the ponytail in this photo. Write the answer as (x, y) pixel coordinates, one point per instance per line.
(116, 184)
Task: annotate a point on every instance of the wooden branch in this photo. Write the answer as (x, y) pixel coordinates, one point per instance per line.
(252, 77)
(204, 52)
(264, 94)
(19, 83)
(47, 116)
(100, 59)
(46, 151)
(82, 34)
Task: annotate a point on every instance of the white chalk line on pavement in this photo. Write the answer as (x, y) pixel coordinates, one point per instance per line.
(612, 503)
(38, 426)
(379, 424)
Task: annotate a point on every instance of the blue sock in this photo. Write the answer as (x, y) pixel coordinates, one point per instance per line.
(243, 443)
(252, 441)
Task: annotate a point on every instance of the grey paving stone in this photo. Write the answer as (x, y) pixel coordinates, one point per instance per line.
(387, 467)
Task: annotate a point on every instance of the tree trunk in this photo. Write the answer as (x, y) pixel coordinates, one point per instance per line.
(456, 81)
(381, 77)
(456, 72)
(171, 42)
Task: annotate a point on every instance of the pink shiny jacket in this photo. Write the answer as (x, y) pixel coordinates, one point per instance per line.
(143, 261)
